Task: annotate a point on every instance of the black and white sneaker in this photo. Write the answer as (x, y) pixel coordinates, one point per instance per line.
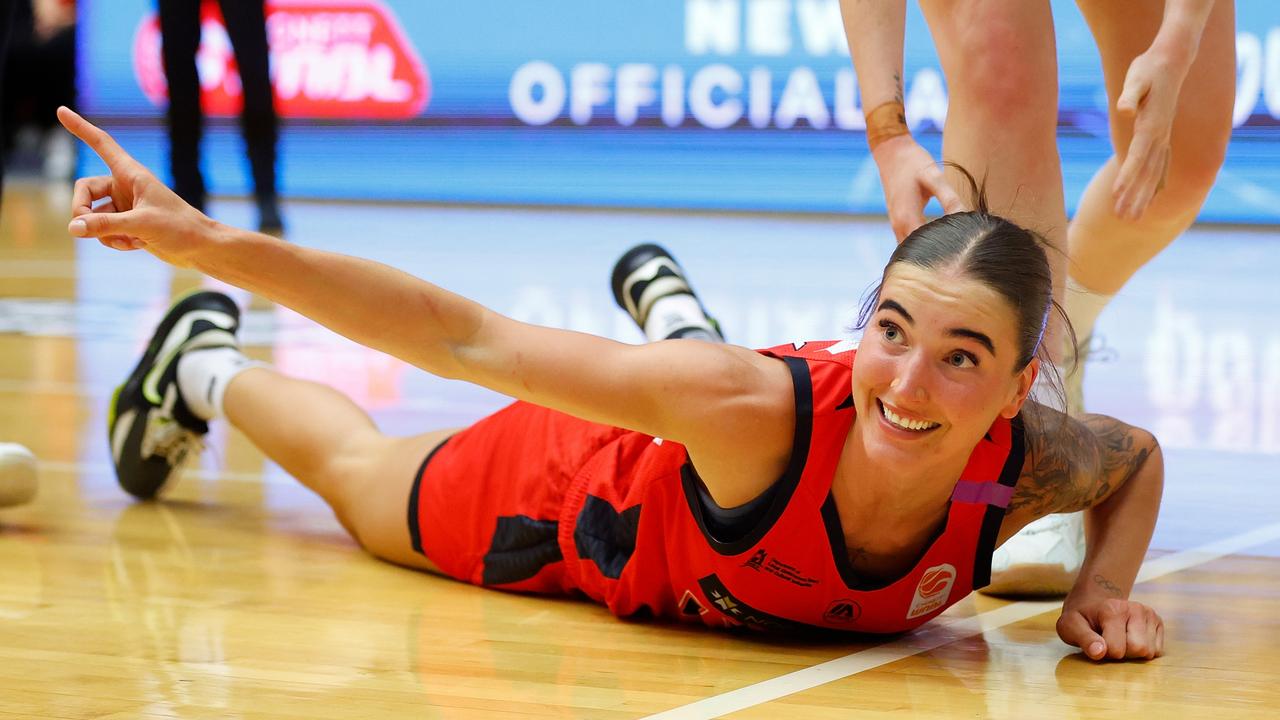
(648, 273)
(151, 429)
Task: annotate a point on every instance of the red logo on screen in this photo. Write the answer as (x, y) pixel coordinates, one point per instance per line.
(329, 59)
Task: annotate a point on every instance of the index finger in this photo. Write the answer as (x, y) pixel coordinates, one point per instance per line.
(1112, 623)
(87, 190)
(95, 137)
(937, 185)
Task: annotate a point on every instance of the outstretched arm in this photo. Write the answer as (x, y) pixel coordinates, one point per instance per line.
(1116, 472)
(707, 396)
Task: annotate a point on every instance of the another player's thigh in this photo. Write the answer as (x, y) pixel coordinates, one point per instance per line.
(996, 49)
(379, 518)
(1001, 65)
(1125, 30)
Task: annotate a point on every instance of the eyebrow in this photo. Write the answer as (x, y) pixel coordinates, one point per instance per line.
(978, 337)
(894, 306)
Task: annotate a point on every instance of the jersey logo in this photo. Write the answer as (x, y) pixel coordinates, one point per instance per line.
(761, 562)
(842, 611)
(933, 591)
(735, 609)
(689, 604)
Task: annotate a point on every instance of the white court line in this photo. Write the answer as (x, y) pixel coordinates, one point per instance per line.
(198, 473)
(939, 633)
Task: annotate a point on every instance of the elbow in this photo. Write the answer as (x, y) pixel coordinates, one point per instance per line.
(1151, 446)
(1150, 469)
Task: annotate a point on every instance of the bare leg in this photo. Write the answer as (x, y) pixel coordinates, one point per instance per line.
(1002, 75)
(321, 438)
(999, 55)
(1106, 250)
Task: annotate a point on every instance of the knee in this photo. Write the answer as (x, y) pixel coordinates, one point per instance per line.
(998, 74)
(1193, 169)
(344, 478)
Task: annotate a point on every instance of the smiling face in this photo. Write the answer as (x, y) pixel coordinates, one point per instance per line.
(936, 366)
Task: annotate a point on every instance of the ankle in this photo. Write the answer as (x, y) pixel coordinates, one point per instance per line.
(204, 375)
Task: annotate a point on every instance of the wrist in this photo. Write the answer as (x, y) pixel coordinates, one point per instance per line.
(1093, 587)
(886, 122)
(889, 147)
(1175, 46)
(218, 242)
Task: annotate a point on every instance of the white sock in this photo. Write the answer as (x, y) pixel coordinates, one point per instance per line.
(1083, 308)
(673, 313)
(203, 376)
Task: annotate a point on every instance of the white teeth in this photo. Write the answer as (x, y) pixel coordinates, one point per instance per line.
(904, 423)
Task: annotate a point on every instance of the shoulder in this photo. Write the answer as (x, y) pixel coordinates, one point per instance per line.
(740, 436)
(1071, 464)
(837, 351)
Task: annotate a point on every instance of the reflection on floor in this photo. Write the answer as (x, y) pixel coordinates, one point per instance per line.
(188, 596)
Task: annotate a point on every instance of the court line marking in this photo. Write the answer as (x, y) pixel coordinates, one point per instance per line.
(199, 473)
(941, 632)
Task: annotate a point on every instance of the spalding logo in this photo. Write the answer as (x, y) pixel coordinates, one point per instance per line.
(936, 580)
(329, 59)
(933, 591)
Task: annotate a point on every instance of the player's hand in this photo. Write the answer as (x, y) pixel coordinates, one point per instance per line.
(1112, 629)
(1150, 100)
(137, 211)
(910, 177)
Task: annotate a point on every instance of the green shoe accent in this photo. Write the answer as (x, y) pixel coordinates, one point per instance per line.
(115, 401)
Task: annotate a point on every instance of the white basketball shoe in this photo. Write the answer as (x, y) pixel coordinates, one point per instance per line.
(17, 475)
(1041, 560)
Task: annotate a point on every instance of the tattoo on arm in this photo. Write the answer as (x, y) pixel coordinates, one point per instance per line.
(897, 87)
(1074, 464)
(1109, 587)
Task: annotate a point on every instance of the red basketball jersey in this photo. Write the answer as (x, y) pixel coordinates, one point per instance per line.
(634, 537)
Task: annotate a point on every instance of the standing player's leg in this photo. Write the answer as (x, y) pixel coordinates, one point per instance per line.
(180, 36)
(1001, 66)
(7, 13)
(247, 28)
(1107, 250)
(193, 372)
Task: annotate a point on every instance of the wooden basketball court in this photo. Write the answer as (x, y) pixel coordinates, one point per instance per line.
(239, 596)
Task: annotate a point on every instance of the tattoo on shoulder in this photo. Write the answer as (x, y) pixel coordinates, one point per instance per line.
(1072, 464)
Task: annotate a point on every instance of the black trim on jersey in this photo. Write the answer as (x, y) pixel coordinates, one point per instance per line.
(995, 515)
(415, 532)
(786, 485)
(840, 551)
